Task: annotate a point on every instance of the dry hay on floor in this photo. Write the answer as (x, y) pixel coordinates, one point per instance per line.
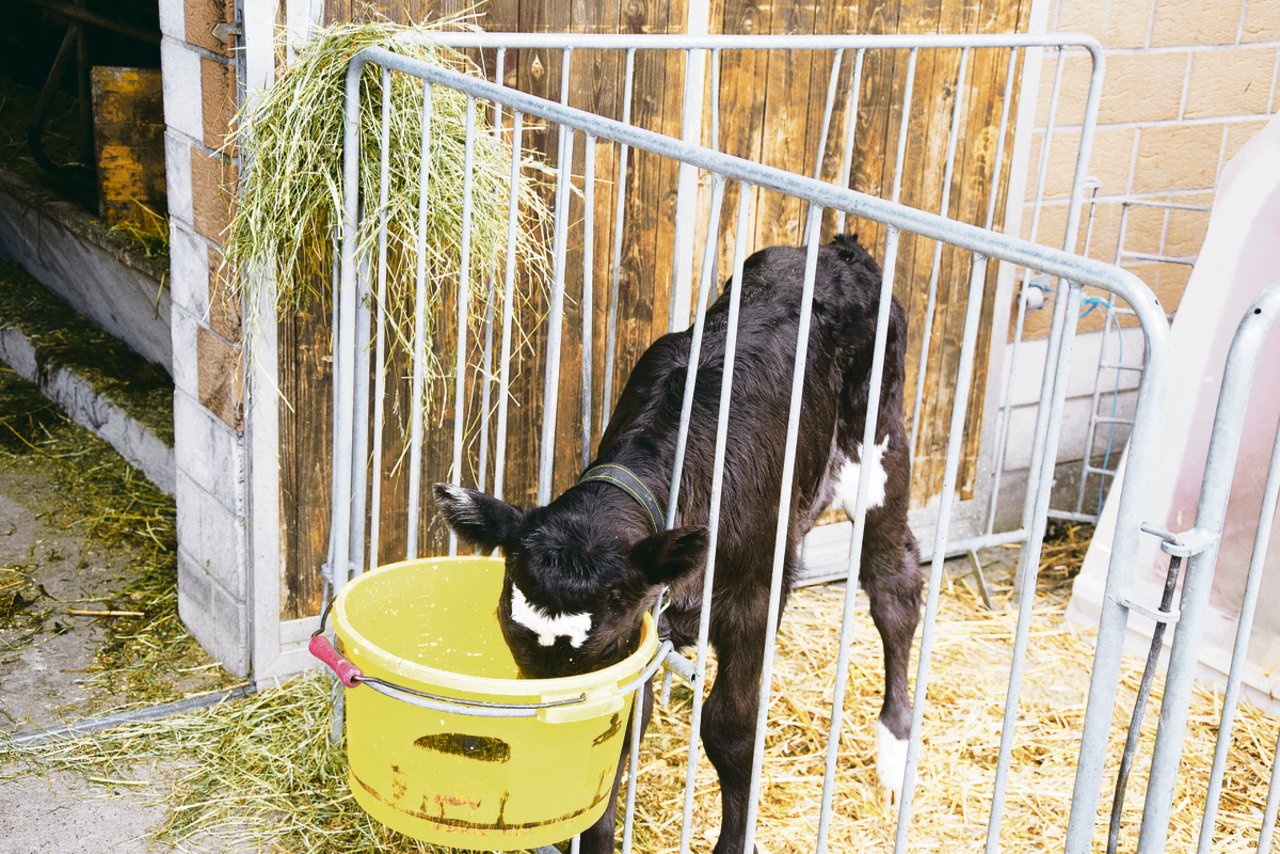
(261, 770)
(962, 726)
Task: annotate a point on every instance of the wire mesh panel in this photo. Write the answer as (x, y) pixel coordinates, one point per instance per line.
(511, 348)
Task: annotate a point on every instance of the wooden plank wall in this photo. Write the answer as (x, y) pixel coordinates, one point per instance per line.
(771, 106)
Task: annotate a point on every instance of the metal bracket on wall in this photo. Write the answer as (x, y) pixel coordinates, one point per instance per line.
(225, 32)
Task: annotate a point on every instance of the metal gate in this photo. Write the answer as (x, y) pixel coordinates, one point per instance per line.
(358, 351)
(1199, 547)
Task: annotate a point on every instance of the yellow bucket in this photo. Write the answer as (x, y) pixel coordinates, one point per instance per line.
(427, 757)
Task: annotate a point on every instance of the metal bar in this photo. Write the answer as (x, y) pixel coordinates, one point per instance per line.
(1039, 442)
(1072, 516)
(1046, 142)
(955, 548)
(1006, 379)
(345, 330)
(1152, 203)
(713, 517)
(935, 269)
(380, 344)
(360, 423)
(714, 141)
(555, 321)
(1069, 244)
(1027, 571)
(850, 129)
(619, 218)
(875, 382)
(1224, 446)
(508, 298)
(959, 410)
(1054, 262)
(686, 192)
(780, 533)
(588, 262)
(705, 286)
(1240, 650)
(1111, 625)
(1055, 329)
(486, 358)
(675, 41)
(1140, 706)
(1100, 471)
(464, 302)
(633, 770)
(1273, 804)
(132, 716)
(833, 81)
(859, 528)
(418, 380)
(1091, 431)
(1006, 409)
(1185, 260)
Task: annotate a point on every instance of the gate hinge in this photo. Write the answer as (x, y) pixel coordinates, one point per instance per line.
(1185, 544)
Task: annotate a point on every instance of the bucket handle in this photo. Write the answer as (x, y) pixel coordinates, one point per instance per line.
(351, 676)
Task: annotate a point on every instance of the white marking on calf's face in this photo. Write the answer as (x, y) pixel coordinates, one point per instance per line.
(851, 472)
(546, 626)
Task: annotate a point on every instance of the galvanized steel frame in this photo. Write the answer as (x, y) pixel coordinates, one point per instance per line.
(353, 337)
(1203, 541)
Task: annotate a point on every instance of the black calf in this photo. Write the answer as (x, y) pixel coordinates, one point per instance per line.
(582, 570)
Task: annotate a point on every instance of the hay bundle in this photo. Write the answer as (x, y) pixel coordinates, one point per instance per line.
(289, 213)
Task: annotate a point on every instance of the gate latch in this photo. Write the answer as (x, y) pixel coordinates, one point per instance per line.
(1185, 544)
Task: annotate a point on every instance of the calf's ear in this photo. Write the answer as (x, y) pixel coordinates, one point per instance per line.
(479, 519)
(669, 555)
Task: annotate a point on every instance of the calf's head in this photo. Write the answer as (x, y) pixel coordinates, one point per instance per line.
(576, 583)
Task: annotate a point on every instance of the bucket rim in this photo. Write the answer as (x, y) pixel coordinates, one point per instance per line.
(434, 678)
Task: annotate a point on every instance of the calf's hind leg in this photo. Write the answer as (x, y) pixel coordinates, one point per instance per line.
(891, 576)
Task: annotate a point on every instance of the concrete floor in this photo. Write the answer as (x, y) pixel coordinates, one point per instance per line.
(44, 664)
(45, 683)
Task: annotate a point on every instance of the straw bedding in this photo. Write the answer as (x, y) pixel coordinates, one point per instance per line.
(261, 771)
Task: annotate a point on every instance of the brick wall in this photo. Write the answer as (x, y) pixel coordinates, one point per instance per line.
(200, 99)
(1186, 83)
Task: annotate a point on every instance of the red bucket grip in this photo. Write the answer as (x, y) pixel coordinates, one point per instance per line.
(348, 674)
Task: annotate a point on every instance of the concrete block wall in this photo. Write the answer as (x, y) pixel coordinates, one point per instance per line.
(214, 586)
(1187, 82)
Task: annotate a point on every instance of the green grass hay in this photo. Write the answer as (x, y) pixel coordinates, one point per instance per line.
(288, 218)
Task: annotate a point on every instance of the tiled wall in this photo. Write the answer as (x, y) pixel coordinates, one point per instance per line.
(1186, 84)
(200, 99)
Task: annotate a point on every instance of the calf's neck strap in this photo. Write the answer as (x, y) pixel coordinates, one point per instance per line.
(626, 480)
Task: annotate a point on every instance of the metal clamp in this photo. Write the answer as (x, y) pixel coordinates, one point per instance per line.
(1154, 614)
(225, 32)
(1190, 542)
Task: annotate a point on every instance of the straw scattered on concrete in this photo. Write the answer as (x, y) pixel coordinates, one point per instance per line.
(261, 771)
(146, 656)
(968, 683)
